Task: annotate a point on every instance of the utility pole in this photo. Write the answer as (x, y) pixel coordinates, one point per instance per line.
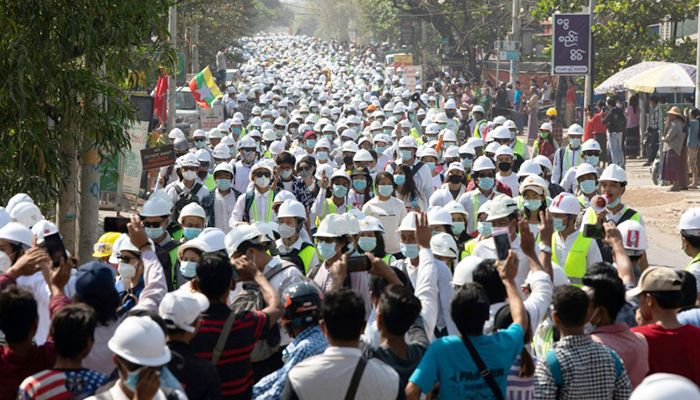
(424, 48)
(588, 89)
(195, 48)
(172, 85)
(697, 63)
(515, 36)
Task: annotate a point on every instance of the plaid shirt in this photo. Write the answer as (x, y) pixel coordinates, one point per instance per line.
(309, 343)
(587, 370)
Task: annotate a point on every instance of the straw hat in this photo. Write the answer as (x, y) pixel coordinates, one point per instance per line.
(675, 110)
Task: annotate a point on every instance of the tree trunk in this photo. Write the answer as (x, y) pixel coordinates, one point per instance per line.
(68, 199)
(89, 200)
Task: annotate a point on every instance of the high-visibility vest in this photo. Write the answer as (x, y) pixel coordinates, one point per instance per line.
(416, 135)
(576, 260)
(209, 182)
(477, 134)
(519, 148)
(695, 260)
(254, 209)
(330, 208)
(469, 248)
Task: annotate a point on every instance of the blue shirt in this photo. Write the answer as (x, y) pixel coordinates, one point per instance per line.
(690, 317)
(448, 361)
(693, 139)
(309, 343)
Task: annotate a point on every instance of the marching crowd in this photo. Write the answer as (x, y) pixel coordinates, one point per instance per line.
(339, 236)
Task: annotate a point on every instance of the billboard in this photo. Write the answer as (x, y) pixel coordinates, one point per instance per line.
(571, 44)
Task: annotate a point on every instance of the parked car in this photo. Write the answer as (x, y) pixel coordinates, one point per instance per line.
(186, 109)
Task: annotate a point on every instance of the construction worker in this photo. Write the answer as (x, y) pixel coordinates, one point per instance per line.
(613, 182)
(204, 157)
(241, 168)
(372, 239)
(256, 204)
(292, 220)
(224, 197)
(339, 183)
(451, 115)
(557, 130)
(155, 216)
(478, 114)
(590, 154)
(569, 248)
(689, 226)
(569, 156)
(484, 176)
(103, 248)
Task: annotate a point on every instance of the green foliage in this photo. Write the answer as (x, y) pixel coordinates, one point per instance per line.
(51, 62)
(622, 37)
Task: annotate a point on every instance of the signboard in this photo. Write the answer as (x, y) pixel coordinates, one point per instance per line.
(571, 42)
(508, 55)
(130, 159)
(453, 61)
(506, 45)
(157, 157)
(210, 118)
(410, 72)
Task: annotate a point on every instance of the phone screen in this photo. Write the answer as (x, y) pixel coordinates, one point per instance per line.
(116, 224)
(502, 242)
(54, 246)
(596, 232)
(358, 263)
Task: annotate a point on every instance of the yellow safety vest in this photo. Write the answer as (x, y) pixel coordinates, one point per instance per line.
(415, 135)
(519, 148)
(566, 160)
(254, 209)
(695, 260)
(477, 134)
(306, 255)
(576, 260)
(469, 248)
(209, 182)
(330, 208)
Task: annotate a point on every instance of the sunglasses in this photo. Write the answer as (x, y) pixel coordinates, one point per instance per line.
(151, 224)
(126, 259)
(261, 174)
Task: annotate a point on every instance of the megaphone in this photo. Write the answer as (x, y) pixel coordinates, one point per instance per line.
(415, 97)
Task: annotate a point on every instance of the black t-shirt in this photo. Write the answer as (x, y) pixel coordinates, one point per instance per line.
(198, 376)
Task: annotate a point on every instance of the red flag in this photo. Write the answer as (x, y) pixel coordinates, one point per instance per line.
(160, 106)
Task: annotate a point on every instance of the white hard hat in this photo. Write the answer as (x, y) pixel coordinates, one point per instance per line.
(478, 108)
(634, 236)
(176, 133)
(203, 155)
(455, 207)
(42, 229)
(283, 196)
(334, 225)
(363, 155)
(505, 150)
(428, 152)
(536, 183)
(614, 173)
(228, 140)
(155, 207)
(140, 341)
(529, 167)
(371, 224)
(501, 132)
(439, 216)
(269, 135)
(340, 173)
(544, 162)
(440, 118)
(375, 125)
(510, 124)
(246, 142)
(591, 145)
(455, 166)
(690, 221)
(483, 163)
(484, 208)
(662, 386)
(26, 214)
(291, 208)
(267, 233)
(381, 138)
(214, 238)
(215, 133)
(432, 129)
(585, 169)
(189, 160)
(126, 245)
(575, 129)
(260, 165)
(352, 221)
(448, 135)
(501, 207)
(240, 234)
(223, 166)
(350, 146)
(221, 151)
(180, 309)
(499, 120)
(408, 223)
(546, 127)
(408, 141)
(4, 217)
(474, 142)
(199, 133)
(17, 233)
(17, 199)
(565, 203)
(192, 210)
(322, 143)
(464, 271)
(443, 244)
(492, 147)
(450, 104)
(322, 169)
(276, 147)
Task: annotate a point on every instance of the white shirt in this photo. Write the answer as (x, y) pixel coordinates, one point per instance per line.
(487, 249)
(223, 208)
(37, 285)
(436, 182)
(442, 196)
(359, 283)
(472, 206)
(172, 192)
(563, 246)
(424, 279)
(511, 181)
(572, 159)
(382, 161)
(260, 205)
(614, 217)
(280, 281)
(390, 213)
(445, 294)
(319, 207)
(327, 376)
(242, 176)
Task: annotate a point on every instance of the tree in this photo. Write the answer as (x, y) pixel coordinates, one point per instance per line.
(622, 36)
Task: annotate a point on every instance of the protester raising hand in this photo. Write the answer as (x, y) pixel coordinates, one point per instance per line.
(423, 232)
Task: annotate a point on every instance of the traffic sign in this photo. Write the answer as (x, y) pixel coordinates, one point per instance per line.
(509, 55)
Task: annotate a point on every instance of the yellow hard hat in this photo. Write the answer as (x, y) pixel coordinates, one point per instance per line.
(103, 247)
(552, 112)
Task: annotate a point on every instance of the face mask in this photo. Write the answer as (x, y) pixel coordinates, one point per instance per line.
(614, 203)
(379, 149)
(293, 131)
(191, 233)
(248, 156)
(367, 243)
(237, 131)
(223, 184)
(305, 174)
(322, 155)
(339, 190)
(154, 233)
(430, 165)
(199, 144)
(486, 183)
(5, 262)
(467, 162)
(484, 227)
(279, 133)
(286, 231)
(406, 154)
(532, 204)
(359, 184)
(575, 143)
(347, 160)
(385, 190)
(132, 379)
(286, 174)
(126, 270)
(409, 250)
(588, 186)
(310, 143)
(458, 227)
(188, 269)
(329, 137)
(504, 166)
(558, 224)
(189, 175)
(400, 179)
(544, 134)
(262, 181)
(326, 250)
(593, 160)
(387, 132)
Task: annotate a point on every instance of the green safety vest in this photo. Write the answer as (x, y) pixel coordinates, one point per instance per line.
(254, 209)
(469, 248)
(210, 182)
(388, 259)
(519, 148)
(306, 255)
(330, 208)
(695, 260)
(565, 160)
(415, 135)
(477, 134)
(576, 260)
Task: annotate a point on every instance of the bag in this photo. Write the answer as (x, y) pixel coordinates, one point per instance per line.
(483, 370)
(251, 299)
(355, 380)
(185, 197)
(555, 367)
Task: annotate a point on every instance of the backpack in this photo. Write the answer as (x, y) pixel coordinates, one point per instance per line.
(294, 258)
(185, 197)
(251, 299)
(249, 198)
(555, 367)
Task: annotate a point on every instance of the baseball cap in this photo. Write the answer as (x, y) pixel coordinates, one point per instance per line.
(95, 280)
(657, 279)
(181, 309)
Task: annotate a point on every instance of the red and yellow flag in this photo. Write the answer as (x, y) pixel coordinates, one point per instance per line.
(204, 89)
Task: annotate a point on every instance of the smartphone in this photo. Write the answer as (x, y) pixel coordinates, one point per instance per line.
(502, 241)
(358, 263)
(54, 246)
(116, 224)
(596, 232)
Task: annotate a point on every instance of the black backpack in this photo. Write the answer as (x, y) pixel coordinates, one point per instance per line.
(185, 197)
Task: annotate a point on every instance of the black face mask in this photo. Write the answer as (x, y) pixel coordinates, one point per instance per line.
(347, 160)
(450, 114)
(202, 175)
(504, 166)
(454, 179)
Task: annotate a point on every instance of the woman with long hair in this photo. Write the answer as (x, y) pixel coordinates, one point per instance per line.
(406, 189)
(632, 128)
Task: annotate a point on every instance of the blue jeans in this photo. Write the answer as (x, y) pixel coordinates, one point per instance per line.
(617, 154)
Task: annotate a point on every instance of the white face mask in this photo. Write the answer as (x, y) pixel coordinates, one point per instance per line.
(5, 262)
(126, 271)
(262, 181)
(189, 175)
(286, 231)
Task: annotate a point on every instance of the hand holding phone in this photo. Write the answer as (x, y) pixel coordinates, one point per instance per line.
(596, 232)
(358, 263)
(502, 241)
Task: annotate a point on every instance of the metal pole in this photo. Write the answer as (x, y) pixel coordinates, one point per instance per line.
(588, 89)
(515, 36)
(195, 48)
(172, 85)
(697, 63)
(498, 61)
